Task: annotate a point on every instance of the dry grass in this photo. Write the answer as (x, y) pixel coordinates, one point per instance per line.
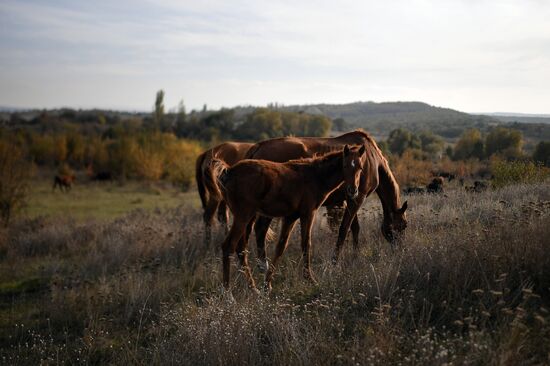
(470, 285)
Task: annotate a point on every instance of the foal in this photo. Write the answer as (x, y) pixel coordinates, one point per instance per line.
(292, 190)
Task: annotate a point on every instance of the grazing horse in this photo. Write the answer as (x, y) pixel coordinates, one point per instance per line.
(292, 190)
(63, 182)
(376, 176)
(211, 197)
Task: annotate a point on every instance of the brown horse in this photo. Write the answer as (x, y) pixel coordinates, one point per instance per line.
(63, 182)
(376, 176)
(292, 190)
(211, 197)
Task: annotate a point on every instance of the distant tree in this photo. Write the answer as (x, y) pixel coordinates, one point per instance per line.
(470, 145)
(431, 143)
(158, 114)
(181, 120)
(400, 140)
(505, 142)
(542, 153)
(340, 124)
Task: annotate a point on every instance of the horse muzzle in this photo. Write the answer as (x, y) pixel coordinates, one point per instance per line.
(352, 192)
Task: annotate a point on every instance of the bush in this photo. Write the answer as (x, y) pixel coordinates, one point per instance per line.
(512, 172)
(15, 172)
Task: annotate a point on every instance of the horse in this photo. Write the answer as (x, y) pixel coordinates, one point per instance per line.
(377, 176)
(63, 182)
(292, 190)
(211, 197)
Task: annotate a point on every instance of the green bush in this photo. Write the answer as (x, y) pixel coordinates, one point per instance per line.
(511, 172)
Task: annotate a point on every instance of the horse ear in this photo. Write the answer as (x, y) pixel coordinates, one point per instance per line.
(403, 208)
(362, 150)
(346, 150)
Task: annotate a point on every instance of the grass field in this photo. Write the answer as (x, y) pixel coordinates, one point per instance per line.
(470, 285)
(104, 200)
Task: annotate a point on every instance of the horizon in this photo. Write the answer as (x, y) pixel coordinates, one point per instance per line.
(463, 55)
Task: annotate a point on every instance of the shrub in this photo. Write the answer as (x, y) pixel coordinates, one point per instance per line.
(15, 172)
(511, 172)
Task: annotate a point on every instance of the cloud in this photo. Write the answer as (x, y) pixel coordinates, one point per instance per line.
(299, 50)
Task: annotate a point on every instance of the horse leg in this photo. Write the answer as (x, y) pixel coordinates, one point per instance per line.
(288, 225)
(261, 228)
(349, 215)
(355, 231)
(242, 252)
(306, 222)
(208, 218)
(228, 247)
(223, 215)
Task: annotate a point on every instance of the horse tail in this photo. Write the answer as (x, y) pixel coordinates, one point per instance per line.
(199, 178)
(214, 176)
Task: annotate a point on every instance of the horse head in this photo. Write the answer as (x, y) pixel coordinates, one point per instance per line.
(395, 222)
(353, 166)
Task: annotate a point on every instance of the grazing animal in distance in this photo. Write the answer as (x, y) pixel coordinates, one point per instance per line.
(63, 182)
(376, 177)
(435, 186)
(211, 197)
(292, 190)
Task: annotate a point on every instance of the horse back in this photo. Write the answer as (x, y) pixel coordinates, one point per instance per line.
(279, 150)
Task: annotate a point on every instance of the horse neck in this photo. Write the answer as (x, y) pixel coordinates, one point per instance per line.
(388, 190)
(329, 172)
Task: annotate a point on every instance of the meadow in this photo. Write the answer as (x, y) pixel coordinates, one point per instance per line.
(469, 285)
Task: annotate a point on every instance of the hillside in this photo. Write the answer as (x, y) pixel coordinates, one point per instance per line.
(381, 118)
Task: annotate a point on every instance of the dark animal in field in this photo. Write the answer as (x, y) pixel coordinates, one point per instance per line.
(435, 186)
(103, 176)
(63, 182)
(447, 175)
(211, 197)
(479, 186)
(376, 176)
(415, 190)
(292, 190)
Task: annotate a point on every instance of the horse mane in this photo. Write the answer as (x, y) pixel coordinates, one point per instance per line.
(317, 158)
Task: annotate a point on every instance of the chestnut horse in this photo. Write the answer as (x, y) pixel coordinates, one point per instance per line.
(63, 182)
(376, 176)
(292, 190)
(211, 197)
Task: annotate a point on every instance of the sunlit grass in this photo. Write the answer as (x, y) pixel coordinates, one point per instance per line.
(104, 200)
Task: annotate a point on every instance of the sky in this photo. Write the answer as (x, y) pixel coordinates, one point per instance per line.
(469, 55)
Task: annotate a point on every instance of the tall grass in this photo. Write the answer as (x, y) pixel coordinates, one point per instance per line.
(470, 284)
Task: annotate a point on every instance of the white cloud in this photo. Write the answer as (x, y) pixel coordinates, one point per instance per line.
(461, 54)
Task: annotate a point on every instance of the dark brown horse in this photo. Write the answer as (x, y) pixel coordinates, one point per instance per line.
(63, 182)
(376, 176)
(292, 190)
(211, 197)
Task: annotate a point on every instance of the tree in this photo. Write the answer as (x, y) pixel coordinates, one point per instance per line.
(542, 153)
(431, 143)
(400, 140)
(181, 120)
(505, 142)
(340, 124)
(470, 145)
(158, 114)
